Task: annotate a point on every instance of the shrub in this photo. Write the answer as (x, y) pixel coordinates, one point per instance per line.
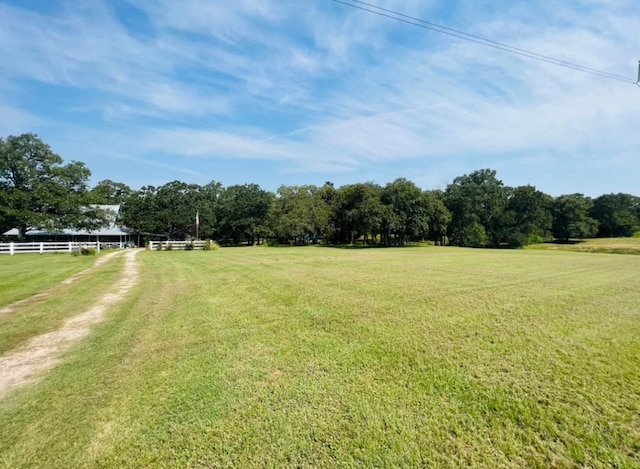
(169, 247)
(473, 236)
(159, 246)
(517, 240)
(87, 251)
(535, 239)
(210, 246)
(636, 234)
(189, 246)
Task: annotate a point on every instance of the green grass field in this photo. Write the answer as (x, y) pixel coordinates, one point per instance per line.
(43, 314)
(331, 357)
(24, 275)
(597, 245)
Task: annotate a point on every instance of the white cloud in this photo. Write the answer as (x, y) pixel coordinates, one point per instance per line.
(324, 87)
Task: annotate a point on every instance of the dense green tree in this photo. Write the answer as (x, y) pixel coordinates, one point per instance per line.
(299, 214)
(94, 217)
(406, 214)
(177, 204)
(244, 211)
(37, 190)
(208, 206)
(571, 217)
(635, 209)
(439, 216)
(4, 225)
(139, 211)
(617, 214)
(329, 195)
(477, 203)
(108, 192)
(528, 217)
(359, 212)
(170, 210)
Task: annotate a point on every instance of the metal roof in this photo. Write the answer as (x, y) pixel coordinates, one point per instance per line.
(112, 230)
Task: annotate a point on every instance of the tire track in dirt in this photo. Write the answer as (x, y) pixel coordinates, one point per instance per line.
(25, 364)
(68, 281)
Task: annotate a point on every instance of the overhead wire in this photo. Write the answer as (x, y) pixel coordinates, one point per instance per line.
(412, 20)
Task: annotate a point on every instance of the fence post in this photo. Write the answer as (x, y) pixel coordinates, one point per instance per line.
(11, 248)
(41, 248)
(70, 248)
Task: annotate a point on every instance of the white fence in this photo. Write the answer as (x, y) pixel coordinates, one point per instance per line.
(41, 248)
(176, 245)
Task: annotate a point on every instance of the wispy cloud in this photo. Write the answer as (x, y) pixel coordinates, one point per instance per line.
(321, 89)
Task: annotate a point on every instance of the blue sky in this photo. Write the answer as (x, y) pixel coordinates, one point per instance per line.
(306, 91)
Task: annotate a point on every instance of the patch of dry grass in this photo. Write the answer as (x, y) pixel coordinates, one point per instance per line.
(597, 245)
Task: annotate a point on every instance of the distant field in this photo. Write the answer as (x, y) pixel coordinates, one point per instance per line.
(599, 245)
(333, 357)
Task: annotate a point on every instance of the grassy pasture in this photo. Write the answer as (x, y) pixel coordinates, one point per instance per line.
(597, 245)
(24, 275)
(40, 315)
(324, 357)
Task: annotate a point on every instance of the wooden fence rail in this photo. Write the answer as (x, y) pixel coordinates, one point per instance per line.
(45, 247)
(177, 245)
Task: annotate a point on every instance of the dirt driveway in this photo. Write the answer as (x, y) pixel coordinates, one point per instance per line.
(23, 365)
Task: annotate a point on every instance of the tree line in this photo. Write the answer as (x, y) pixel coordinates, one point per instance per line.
(477, 210)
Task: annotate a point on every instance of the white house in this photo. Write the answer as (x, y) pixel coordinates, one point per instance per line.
(113, 234)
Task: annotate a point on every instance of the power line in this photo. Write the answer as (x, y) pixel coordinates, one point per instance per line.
(412, 20)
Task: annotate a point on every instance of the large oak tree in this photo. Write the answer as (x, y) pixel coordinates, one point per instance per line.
(571, 217)
(38, 191)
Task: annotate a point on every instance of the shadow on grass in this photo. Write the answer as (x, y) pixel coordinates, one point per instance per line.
(371, 246)
(565, 241)
(322, 245)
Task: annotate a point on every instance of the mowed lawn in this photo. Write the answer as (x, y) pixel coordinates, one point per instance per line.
(596, 245)
(23, 275)
(336, 357)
